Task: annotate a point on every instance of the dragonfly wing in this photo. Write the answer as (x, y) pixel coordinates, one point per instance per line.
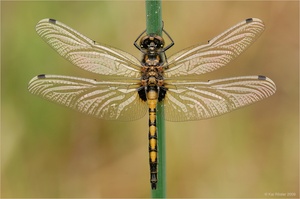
(106, 100)
(199, 100)
(217, 53)
(86, 53)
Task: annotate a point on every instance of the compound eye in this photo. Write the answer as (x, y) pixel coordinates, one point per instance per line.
(144, 42)
(159, 41)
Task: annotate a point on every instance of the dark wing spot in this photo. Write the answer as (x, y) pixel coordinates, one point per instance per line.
(261, 77)
(42, 76)
(52, 21)
(162, 93)
(142, 93)
(249, 20)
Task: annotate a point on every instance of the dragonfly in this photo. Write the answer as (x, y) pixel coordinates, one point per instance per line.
(128, 88)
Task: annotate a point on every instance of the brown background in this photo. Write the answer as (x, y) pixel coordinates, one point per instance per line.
(50, 151)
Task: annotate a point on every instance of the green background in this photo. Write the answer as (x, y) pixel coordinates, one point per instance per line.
(50, 151)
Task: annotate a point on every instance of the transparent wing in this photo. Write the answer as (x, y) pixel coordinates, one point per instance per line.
(106, 100)
(217, 53)
(86, 53)
(199, 100)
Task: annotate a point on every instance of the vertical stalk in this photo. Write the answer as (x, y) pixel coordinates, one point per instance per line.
(154, 26)
(161, 137)
(153, 17)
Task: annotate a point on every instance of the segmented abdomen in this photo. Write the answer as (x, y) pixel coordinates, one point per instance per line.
(152, 95)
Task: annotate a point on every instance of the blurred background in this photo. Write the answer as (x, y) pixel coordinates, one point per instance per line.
(51, 151)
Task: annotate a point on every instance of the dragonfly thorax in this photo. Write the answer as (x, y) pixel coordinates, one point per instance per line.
(152, 75)
(152, 79)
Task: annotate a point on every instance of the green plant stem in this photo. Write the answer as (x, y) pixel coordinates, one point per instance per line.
(161, 137)
(154, 26)
(153, 17)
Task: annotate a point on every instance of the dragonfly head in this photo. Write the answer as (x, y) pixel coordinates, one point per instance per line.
(152, 44)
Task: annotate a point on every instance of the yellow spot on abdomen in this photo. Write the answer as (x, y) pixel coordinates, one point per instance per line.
(152, 130)
(153, 156)
(152, 117)
(152, 143)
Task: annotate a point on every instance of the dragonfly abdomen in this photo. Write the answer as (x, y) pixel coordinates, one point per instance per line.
(152, 96)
